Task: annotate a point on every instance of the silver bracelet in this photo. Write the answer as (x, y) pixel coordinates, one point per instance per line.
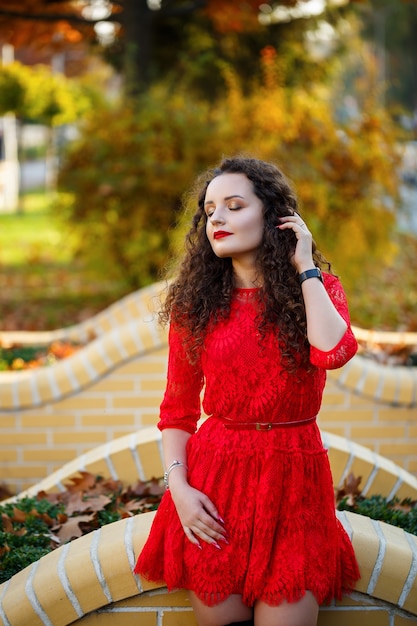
(173, 465)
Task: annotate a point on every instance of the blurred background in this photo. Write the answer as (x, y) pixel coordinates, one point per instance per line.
(110, 109)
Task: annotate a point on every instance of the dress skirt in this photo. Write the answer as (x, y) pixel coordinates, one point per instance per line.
(274, 491)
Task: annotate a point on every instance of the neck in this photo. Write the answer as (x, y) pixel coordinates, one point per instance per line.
(246, 279)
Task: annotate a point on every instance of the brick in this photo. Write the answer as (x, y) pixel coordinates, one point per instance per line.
(412, 466)
(338, 460)
(407, 386)
(114, 561)
(377, 432)
(139, 367)
(61, 379)
(7, 399)
(48, 587)
(54, 454)
(135, 401)
(98, 467)
(97, 361)
(345, 416)
(366, 544)
(108, 420)
(333, 399)
(112, 385)
(352, 377)
(124, 466)
(41, 421)
(82, 401)
(21, 439)
(71, 437)
(372, 381)
(8, 421)
(396, 414)
(8, 455)
(396, 565)
(153, 385)
(81, 574)
(411, 601)
(358, 400)
(37, 472)
(179, 618)
(25, 393)
(150, 419)
(16, 604)
(400, 449)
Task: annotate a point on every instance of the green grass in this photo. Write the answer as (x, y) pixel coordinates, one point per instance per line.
(33, 234)
(43, 285)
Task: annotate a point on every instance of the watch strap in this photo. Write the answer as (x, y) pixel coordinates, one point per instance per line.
(313, 273)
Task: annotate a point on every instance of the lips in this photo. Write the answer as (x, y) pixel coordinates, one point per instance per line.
(220, 234)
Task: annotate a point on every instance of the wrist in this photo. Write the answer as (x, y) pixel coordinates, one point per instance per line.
(305, 266)
(310, 273)
(177, 466)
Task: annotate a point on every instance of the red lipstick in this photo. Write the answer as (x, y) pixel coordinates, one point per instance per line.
(219, 234)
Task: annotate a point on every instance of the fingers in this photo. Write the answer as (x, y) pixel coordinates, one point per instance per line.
(293, 222)
(201, 522)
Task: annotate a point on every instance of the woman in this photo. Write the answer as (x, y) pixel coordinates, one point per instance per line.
(248, 522)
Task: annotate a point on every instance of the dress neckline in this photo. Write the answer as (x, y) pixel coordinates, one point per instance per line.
(244, 294)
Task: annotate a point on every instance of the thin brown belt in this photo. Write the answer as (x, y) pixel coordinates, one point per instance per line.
(231, 424)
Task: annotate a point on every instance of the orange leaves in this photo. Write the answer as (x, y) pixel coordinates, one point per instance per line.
(237, 17)
(31, 527)
(349, 491)
(19, 357)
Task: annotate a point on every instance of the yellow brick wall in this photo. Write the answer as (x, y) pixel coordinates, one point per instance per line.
(114, 385)
(90, 581)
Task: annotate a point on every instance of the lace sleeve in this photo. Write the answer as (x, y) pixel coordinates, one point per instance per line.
(180, 407)
(347, 346)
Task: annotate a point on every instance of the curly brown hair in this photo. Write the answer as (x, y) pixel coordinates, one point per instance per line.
(202, 291)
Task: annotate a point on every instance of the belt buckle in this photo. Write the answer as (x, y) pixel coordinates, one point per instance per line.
(263, 426)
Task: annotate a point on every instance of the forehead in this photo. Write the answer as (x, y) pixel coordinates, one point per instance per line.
(229, 184)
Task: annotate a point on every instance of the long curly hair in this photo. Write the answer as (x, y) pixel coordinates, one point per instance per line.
(201, 293)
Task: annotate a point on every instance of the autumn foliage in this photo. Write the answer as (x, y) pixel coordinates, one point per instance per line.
(33, 526)
(125, 177)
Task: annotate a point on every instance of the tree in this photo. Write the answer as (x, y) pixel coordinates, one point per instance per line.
(134, 165)
(35, 94)
(150, 39)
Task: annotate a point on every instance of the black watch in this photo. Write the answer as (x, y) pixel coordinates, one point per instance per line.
(313, 273)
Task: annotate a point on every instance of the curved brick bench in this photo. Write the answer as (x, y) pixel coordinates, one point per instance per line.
(137, 304)
(389, 384)
(114, 385)
(139, 455)
(90, 582)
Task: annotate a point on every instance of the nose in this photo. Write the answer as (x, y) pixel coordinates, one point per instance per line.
(217, 217)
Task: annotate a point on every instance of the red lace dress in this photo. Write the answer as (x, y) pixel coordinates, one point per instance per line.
(273, 489)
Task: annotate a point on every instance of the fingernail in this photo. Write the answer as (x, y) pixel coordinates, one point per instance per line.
(199, 546)
(216, 545)
(220, 519)
(225, 540)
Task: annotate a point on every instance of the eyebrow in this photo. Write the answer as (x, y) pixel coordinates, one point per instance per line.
(235, 195)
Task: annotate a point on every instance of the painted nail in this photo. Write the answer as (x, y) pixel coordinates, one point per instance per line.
(216, 545)
(220, 519)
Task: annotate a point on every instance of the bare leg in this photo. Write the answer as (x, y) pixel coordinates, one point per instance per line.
(301, 613)
(229, 611)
